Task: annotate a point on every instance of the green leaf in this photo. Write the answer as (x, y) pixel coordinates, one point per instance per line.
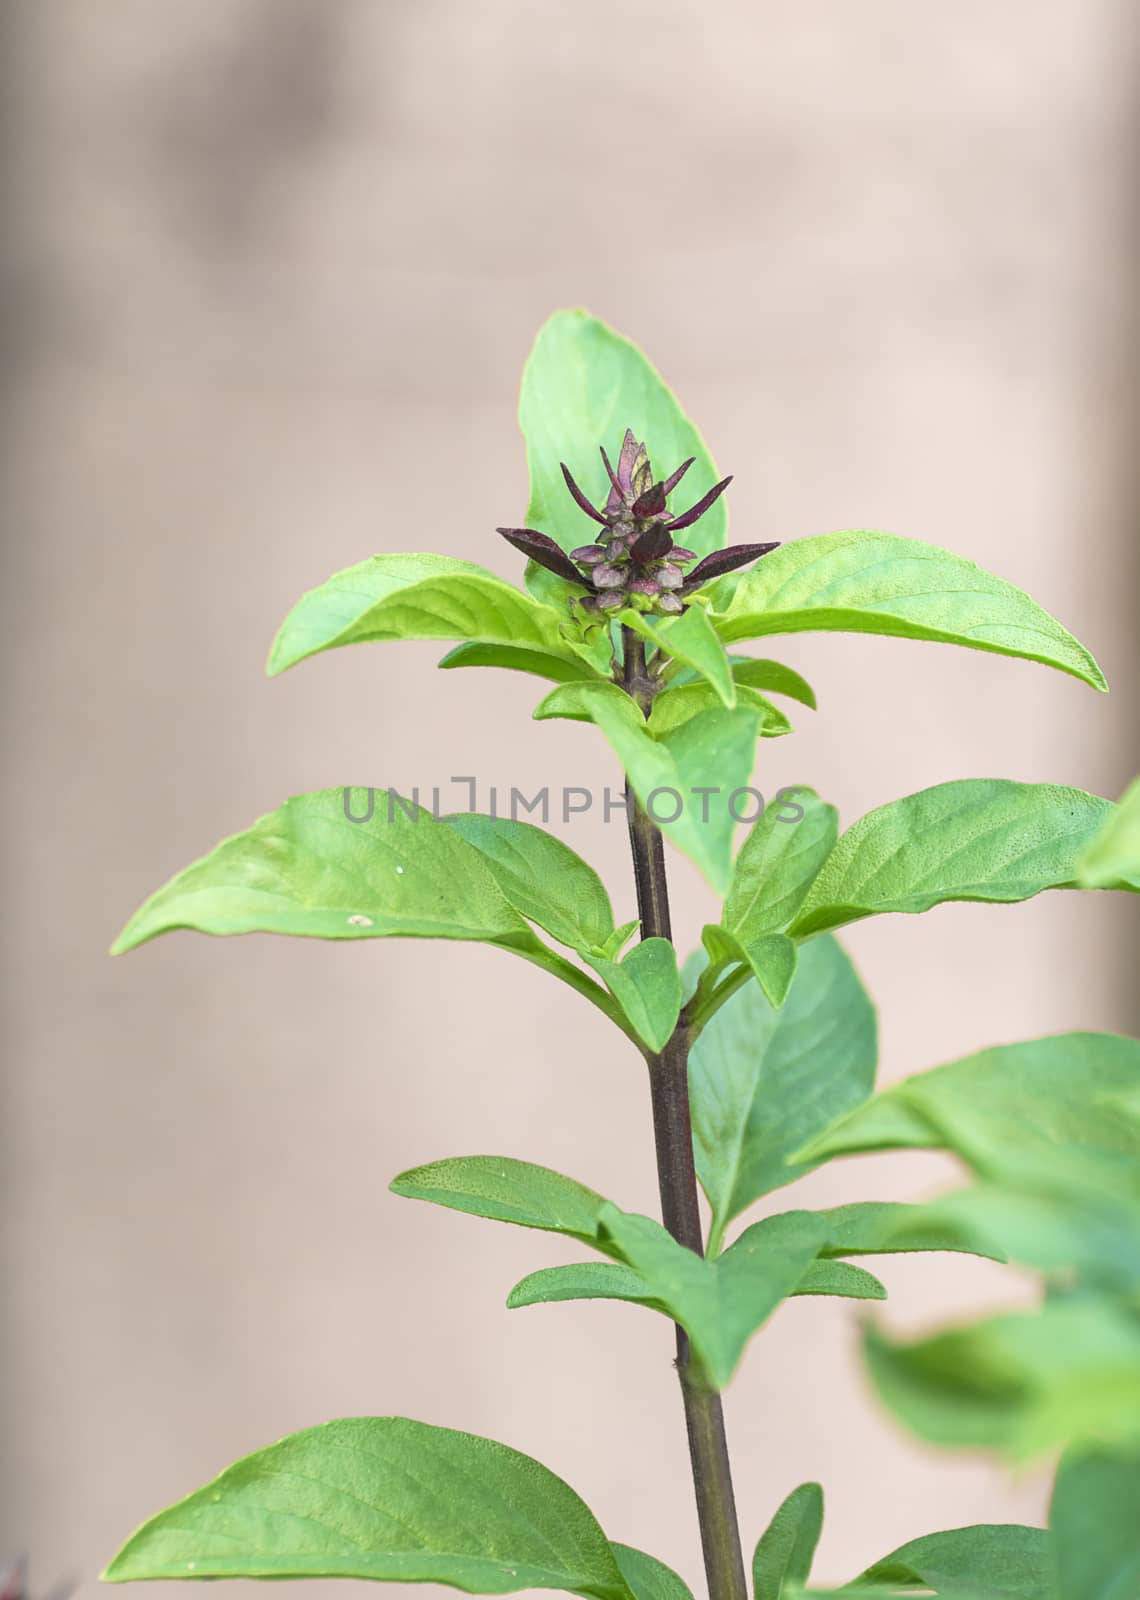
(771, 959)
(382, 1498)
(1113, 854)
(1047, 1099)
(763, 1080)
(715, 749)
(582, 387)
(584, 1280)
(540, 663)
(1002, 1560)
(647, 986)
(605, 1280)
(692, 639)
(619, 938)
(310, 871)
(890, 1227)
(879, 583)
(1095, 1526)
(754, 674)
(542, 878)
(1021, 1384)
(506, 1190)
(787, 1547)
(720, 1304)
(776, 867)
(648, 1578)
(414, 597)
(675, 706)
(841, 1278)
(979, 839)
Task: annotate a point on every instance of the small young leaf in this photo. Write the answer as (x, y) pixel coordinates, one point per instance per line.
(979, 839)
(542, 878)
(361, 1498)
(752, 673)
(1113, 854)
(540, 663)
(506, 1190)
(1021, 1384)
(760, 1078)
(1095, 1523)
(647, 986)
(1002, 1560)
(691, 639)
(714, 750)
(584, 1280)
(414, 597)
(771, 958)
(722, 1303)
(783, 1558)
(841, 1278)
(678, 704)
(582, 386)
(879, 583)
(648, 1578)
(612, 947)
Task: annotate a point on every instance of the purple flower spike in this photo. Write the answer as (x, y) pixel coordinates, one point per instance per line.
(634, 556)
(722, 561)
(541, 547)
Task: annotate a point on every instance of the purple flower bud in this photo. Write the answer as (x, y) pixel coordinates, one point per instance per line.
(607, 577)
(541, 547)
(722, 561)
(670, 577)
(605, 602)
(588, 554)
(670, 602)
(679, 554)
(643, 584)
(651, 545)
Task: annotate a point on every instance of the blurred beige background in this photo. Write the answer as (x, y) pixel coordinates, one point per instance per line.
(271, 269)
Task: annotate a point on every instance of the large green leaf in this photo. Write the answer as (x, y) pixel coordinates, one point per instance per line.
(382, 1498)
(542, 878)
(979, 839)
(1095, 1522)
(721, 1303)
(1004, 1561)
(648, 1578)
(647, 986)
(506, 1190)
(783, 1558)
(582, 387)
(308, 870)
(691, 639)
(715, 749)
(414, 597)
(762, 1081)
(879, 583)
(1113, 854)
(1021, 1384)
(1048, 1099)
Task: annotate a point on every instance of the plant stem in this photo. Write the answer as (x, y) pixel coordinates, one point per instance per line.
(677, 1181)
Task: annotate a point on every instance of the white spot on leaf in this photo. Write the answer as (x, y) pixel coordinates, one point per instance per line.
(358, 920)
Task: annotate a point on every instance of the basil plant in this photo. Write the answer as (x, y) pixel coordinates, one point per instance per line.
(760, 1048)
